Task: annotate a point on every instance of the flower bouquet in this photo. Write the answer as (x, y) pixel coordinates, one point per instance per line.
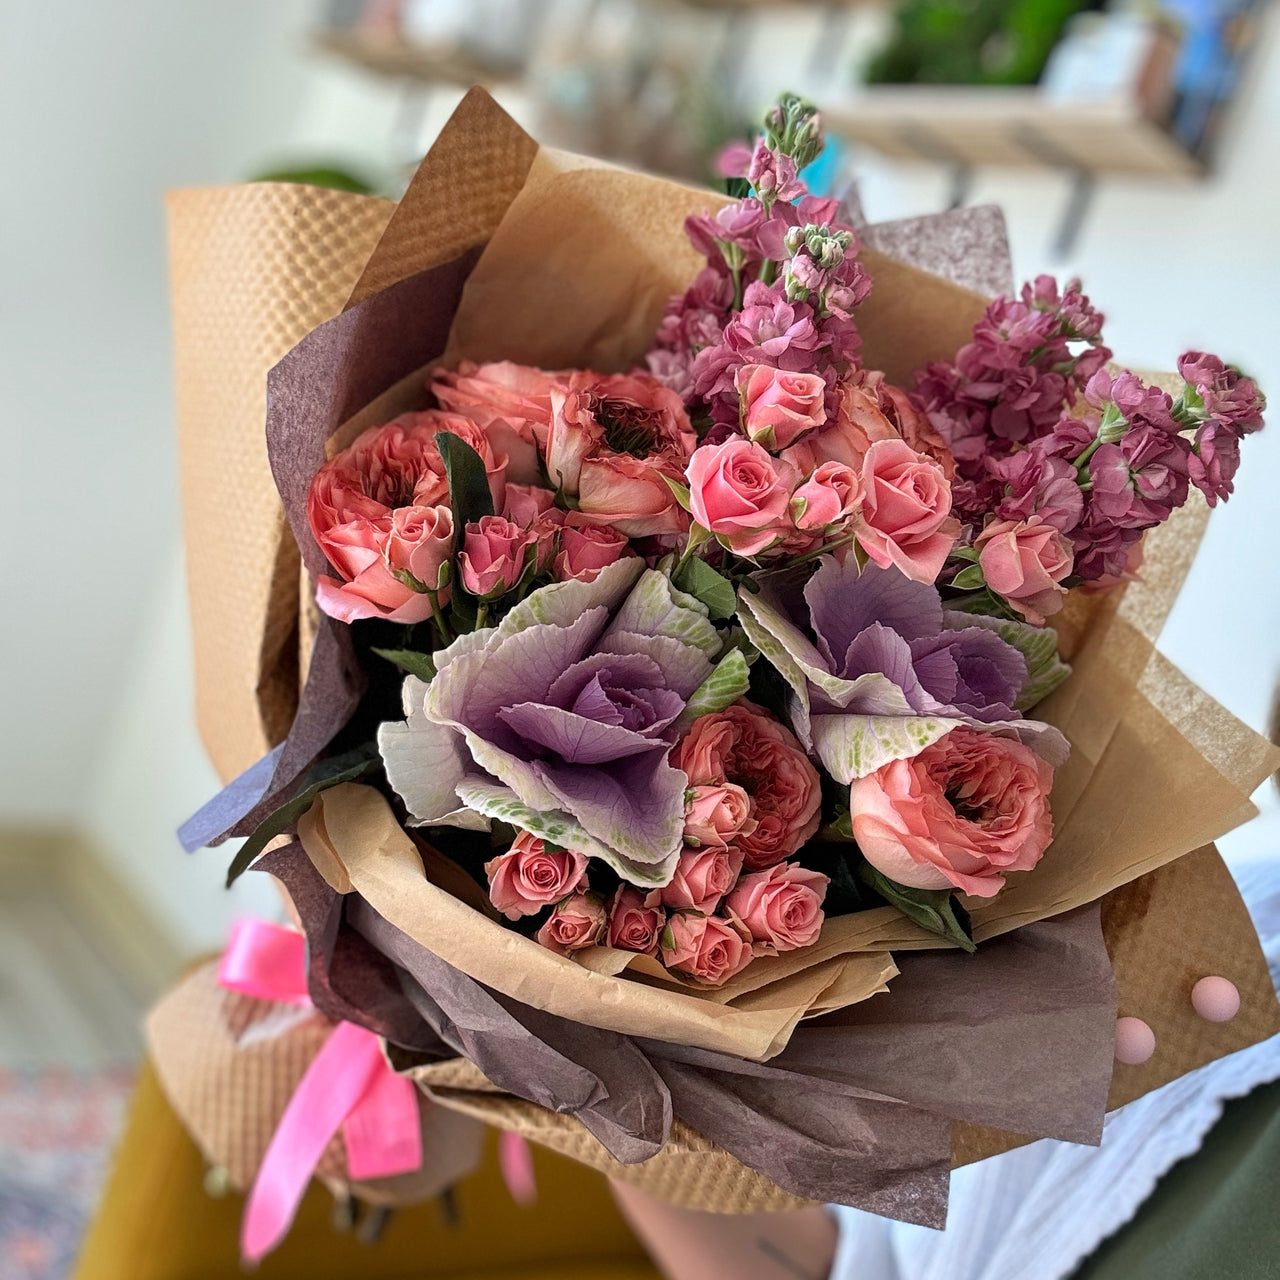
(733, 749)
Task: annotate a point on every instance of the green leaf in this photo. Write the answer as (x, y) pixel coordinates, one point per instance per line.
(700, 580)
(933, 909)
(678, 491)
(325, 774)
(469, 493)
(411, 661)
(970, 579)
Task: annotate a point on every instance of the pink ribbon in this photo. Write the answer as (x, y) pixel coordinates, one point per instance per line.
(348, 1086)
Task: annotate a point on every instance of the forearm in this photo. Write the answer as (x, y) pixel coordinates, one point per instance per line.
(687, 1245)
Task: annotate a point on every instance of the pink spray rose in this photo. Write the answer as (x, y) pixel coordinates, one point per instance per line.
(961, 813)
(906, 511)
(702, 878)
(529, 876)
(778, 407)
(779, 909)
(576, 923)
(746, 746)
(740, 493)
(611, 442)
(633, 926)
(704, 947)
(533, 507)
(377, 509)
(1025, 561)
(830, 494)
(586, 548)
(493, 556)
(716, 814)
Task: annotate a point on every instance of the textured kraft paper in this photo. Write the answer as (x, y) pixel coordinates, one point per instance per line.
(229, 1065)
(854, 1109)
(357, 844)
(239, 602)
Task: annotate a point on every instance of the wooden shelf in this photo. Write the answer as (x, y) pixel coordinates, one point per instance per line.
(968, 127)
(403, 60)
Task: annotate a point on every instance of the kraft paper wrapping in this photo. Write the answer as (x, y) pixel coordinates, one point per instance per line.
(574, 263)
(229, 1065)
(854, 1109)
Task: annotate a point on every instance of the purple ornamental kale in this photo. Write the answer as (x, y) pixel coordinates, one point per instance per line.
(888, 671)
(559, 720)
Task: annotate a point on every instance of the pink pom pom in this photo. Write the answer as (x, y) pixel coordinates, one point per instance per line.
(1215, 999)
(1135, 1041)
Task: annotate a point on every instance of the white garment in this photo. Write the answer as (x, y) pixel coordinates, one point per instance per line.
(1036, 1213)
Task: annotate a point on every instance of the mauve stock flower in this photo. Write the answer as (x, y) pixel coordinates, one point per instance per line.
(576, 923)
(887, 670)
(529, 876)
(773, 174)
(1036, 483)
(1229, 398)
(560, 719)
(779, 909)
(706, 948)
(961, 814)
(1025, 562)
(746, 746)
(634, 926)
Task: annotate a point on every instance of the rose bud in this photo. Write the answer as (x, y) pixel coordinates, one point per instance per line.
(576, 923)
(702, 878)
(529, 876)
(779, 909)
(586, 548)
(633, 926)
(420, 544)
(704, 947)
(1025, 561)
(739, 493)
(493, 556)
(830, 494)
(714, 814)
(778, 407)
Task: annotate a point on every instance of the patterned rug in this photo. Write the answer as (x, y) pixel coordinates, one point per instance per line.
(57, 1129)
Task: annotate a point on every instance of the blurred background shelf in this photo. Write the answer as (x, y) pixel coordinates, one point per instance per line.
(1012, 125)
(399, 58)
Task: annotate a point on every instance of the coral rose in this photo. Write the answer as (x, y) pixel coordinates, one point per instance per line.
(702, 878)
(714, 815)
(493, 556)
(576, 923)
(529, 876)
(779, 407)
(611, 442)
(586, 548)
(634, 926)
(831, 493)
(746, 746)
(379, 512)
(960, 814)
(707, 949)
(779, 909)
(739, 493)
(1025, 561)
(906, 511)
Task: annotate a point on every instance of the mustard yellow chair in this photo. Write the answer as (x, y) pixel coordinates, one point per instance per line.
(157, 1222)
